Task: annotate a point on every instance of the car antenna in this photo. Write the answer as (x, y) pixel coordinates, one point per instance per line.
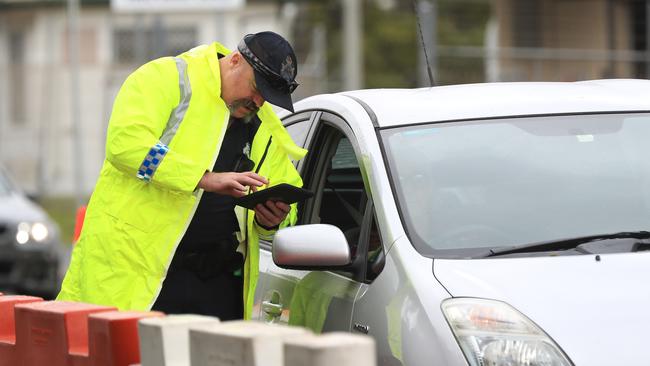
(424, 47)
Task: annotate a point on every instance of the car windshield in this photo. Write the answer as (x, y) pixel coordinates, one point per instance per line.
(463, 187)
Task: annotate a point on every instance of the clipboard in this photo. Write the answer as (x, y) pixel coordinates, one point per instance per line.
(282, 192)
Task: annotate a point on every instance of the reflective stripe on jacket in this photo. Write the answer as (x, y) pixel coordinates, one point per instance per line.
(166, 129)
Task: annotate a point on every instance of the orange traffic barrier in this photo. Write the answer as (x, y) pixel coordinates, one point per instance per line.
(114, 337)
(8, 353)
(78, 223)
(54, 333)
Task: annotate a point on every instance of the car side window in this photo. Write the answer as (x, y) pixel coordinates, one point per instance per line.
(341, 200)
(298, 127)
(343, 195)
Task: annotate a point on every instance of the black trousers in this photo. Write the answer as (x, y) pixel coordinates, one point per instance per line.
(183, 292)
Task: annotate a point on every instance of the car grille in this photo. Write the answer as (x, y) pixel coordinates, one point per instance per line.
(4, 235)
(6, 238)
(5, 268)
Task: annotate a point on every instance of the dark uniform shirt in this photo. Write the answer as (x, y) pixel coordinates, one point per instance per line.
(201, 287)
(215, 218)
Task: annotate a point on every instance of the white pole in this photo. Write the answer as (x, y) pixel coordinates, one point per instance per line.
(647, 39)
(73, 62)
(45, 111)
(220, 27)
(352, 45)
(4, 74)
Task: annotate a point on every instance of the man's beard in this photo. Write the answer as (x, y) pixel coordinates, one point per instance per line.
(246, 103)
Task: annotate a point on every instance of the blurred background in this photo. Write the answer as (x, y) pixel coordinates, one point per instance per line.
(63, 61)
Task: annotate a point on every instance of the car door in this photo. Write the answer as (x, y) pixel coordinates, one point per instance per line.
(323, 300)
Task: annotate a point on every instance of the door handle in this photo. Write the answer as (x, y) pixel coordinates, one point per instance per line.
(361, 328)
(272, 311)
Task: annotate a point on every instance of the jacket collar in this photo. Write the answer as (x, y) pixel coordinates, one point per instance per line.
(213, 61)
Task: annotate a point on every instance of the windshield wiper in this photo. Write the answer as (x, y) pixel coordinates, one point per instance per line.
(570, 243)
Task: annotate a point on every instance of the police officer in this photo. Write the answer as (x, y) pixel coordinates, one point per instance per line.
(187, 135)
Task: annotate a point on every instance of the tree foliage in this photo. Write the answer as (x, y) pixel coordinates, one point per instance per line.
(391, 42)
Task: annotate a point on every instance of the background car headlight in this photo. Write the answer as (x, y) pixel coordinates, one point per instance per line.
(494, 333)
(27, 232)
(39, 232)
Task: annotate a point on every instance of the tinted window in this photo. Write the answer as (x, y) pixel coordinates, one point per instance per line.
(344, 157)
(344, 195)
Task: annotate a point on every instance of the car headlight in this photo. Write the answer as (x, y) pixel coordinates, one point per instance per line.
(494, 333)
(27, 232)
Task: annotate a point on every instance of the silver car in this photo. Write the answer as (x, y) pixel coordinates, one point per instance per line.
(487, 224)
(30, 248)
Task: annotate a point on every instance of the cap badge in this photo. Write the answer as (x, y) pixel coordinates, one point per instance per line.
(287, 70)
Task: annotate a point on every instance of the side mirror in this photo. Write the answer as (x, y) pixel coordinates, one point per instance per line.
(317, 246)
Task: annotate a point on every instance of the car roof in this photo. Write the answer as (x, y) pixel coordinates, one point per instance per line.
(393, 107)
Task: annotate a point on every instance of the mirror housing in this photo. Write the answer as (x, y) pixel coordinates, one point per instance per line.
(313, 247)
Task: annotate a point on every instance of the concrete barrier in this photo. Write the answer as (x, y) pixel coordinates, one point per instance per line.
(8, 347)
(58, 333)
(54, 333)
(113, 337)
(165, 341)
(240, 343)
(34, 332)
(331, 349)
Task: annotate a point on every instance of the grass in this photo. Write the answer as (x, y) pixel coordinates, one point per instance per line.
(63, 211)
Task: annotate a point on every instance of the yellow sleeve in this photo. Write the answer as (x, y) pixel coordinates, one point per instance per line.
(140, 114)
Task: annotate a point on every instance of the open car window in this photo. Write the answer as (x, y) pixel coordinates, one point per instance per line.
(341, 198)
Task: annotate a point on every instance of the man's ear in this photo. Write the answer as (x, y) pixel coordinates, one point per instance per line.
(235, 58)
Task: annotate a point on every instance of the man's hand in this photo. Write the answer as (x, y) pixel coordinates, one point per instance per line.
(231, 184)
(271, 214)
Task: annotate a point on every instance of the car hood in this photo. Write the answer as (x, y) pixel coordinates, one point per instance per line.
(16, 208)
(596, 310)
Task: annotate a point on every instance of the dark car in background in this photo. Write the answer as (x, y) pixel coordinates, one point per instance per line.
(30, 248)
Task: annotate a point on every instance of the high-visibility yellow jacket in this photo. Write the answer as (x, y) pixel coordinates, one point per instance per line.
(166, 129)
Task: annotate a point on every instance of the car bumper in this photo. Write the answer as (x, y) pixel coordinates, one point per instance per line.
(30, 273)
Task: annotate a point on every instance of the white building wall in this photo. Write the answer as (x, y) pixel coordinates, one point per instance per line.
(39, 151)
